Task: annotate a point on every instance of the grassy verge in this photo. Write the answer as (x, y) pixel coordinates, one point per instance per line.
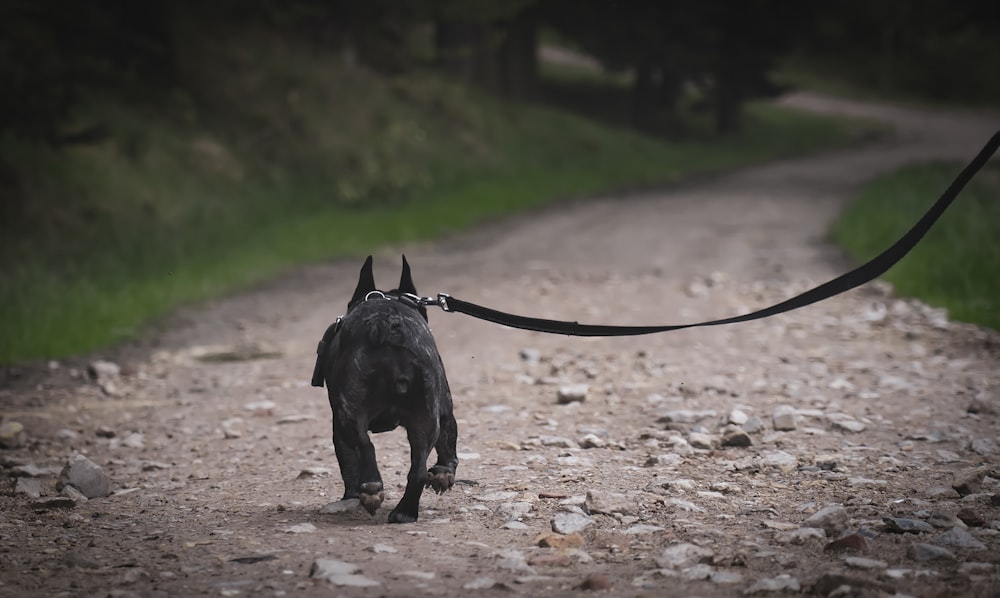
(957, 265)
(276, 157)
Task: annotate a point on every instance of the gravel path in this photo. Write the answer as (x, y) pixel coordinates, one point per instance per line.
(853, 443)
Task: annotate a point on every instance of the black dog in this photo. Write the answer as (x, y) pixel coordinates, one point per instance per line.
(382, 370)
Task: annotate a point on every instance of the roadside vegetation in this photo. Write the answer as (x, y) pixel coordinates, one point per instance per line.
(957, 265)
(194, 200)
(151, 158)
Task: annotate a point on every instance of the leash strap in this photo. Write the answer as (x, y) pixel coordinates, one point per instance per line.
(862, 274)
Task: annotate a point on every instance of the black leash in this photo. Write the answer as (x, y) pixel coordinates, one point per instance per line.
(855, 278)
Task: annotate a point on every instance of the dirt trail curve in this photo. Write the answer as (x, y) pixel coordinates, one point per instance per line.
(862, 415)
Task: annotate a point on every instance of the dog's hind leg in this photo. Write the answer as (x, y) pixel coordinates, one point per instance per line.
(441, 477)
(356, 456)
(422, 436)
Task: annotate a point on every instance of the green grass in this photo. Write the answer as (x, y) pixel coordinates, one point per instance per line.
(276, 157)
(957, 265)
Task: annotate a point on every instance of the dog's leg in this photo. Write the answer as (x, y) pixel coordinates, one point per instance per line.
(422, 435)
(372, 493)
(441, 477)
(349, 461)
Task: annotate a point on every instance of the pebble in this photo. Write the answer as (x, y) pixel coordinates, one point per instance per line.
(30, 487)
(513, 560)
(905, 525)
(784, 418)
(512, 511)
(300, 528)
(726, 577)
(383, 549)
(700, 441)
(753, 425)
(781, 583)
(957, 536)
(641, 529)
(859, 562)
(737, 417)
(340, 573)
(572, 393)
(103, 370)
(683, 555)
(779, 460)
(558, 442)
(845, 423)
(12, 435)
(480, 583)
(568, 523)
(945, 520)
(919, 551)
(736, 437)
(592, 441)
(607, 503)
(86, 476)
(971, 518)
(831, 519)
(970, 481)
(530, 355)
(556, 540)
(850, 542)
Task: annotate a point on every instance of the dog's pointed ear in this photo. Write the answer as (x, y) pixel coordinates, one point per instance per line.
(366, 283)
(406, 280)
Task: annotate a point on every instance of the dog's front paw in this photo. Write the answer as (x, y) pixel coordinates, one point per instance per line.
(371, 496)
(398, 516)
(440, 478)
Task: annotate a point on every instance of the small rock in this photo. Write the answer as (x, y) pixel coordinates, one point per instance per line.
(608, 503)
(66, 435)
(513, 560)
(957, 536)
(736, 437)
(572, 393)
(832, 520)
(641, 529)
(970, 481)
(848, 543)
(753, 425)
(779, 460)
(592, 441)
(781, 583)
(558, 442)
(726, 577)
(700, 441)
(919, 551)
(983, 446)
(86, 476)
(341, 506)
(73, 494)
(300, 528)
(480, 583)
(31, 470)
(53, 502)
(555, 540)
(737, 417)
(295, 418)
(512, 511)
(905, 525)
(383, 549)
(340, 573)
(12, 435)
(103, 370)
(568, 523)
(530, 355)
(683, 555)
(260, 407)
(844, 423)
(597, 582)
(784, 418)
(30, 487)
(944, 520)
(858, 562)
(313, 472)
(802, 535)
(971, 518)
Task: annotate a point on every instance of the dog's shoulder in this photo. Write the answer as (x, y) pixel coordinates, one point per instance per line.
(385, 322)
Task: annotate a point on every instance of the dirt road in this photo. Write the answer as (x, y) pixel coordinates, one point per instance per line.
(863, 414)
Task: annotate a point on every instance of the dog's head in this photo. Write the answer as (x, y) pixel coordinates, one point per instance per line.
(366, 285)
